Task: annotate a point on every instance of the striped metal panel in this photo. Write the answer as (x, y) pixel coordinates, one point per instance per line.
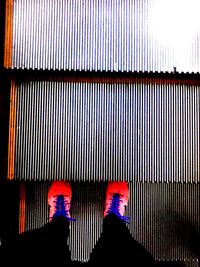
(87, 206)
(162, 216)
(159, 213)
(144, 130)
(114, 35)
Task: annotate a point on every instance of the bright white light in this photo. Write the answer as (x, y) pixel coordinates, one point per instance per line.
(174, 21)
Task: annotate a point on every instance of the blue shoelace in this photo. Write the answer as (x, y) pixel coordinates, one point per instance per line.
(61, 208)
(114, 208)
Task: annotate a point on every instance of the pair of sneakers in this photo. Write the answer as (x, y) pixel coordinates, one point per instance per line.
(60, 194)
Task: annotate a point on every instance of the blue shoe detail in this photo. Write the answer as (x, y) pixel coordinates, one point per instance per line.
(61, 208)
(114, 208)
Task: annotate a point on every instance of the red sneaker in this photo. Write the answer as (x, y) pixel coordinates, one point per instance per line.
(59, 200)
(117, 196)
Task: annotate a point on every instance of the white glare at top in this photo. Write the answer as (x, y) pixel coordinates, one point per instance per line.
(174, 21)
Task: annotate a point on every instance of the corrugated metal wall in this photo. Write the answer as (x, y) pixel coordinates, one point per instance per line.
(159, 213)
(115, 35)
(145, 130)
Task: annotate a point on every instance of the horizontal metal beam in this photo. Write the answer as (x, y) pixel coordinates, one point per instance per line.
(31, 75)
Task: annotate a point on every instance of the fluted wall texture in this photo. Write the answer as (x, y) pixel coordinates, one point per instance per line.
(145, 130)
(115, 35)
(162, 216)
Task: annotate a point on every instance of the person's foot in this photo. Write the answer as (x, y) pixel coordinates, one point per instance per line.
(59, 200)
(117, 196)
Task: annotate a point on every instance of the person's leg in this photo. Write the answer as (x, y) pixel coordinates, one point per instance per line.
(116, 245)
(48, 244)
